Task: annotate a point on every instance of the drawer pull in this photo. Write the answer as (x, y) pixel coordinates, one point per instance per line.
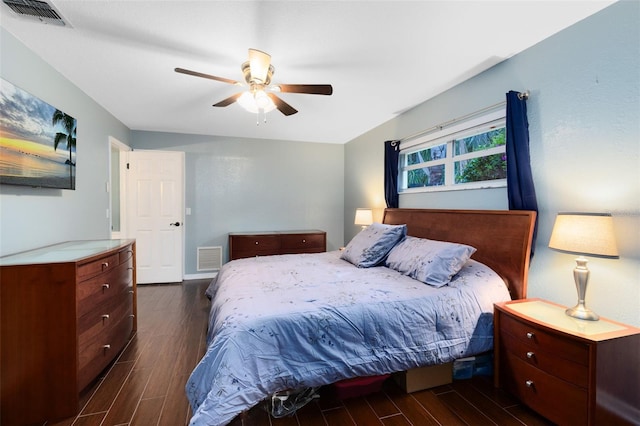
(105, 286)
(529, 383)
(304, 241)
(105, 347)
(105, 316)
(530, 335)
(105, 265)
(256, 243)
(530, 355)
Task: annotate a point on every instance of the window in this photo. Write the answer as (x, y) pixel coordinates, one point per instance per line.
(468, 155)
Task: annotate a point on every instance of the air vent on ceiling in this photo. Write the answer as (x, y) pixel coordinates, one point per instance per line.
(36, 10)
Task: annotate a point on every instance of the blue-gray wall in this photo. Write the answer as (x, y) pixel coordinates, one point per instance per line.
(32, 217)
(584, 124)
(585, 146)
(235, 185)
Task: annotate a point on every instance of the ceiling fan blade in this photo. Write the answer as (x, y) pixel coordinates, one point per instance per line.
(282, 106)
(259, 62)
(311, 89)
(210, 77)
(228, 101)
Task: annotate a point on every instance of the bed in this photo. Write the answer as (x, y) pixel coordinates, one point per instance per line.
(307, 320)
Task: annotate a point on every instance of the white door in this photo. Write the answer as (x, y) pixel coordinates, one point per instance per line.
(155, 205)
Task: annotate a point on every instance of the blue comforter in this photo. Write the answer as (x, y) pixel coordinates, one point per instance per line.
(296, 321)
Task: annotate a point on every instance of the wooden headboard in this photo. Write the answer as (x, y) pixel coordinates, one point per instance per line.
(502, 237)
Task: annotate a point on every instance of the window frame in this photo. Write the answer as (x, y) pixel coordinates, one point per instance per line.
(448, 134)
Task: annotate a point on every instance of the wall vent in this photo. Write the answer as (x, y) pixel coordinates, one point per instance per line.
(209, 258)
(36, 10)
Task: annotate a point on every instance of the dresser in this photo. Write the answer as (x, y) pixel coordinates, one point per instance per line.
(67, 310)
(571, 371)
(251, 244)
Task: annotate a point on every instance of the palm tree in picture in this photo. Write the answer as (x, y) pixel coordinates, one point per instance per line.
(69, 125)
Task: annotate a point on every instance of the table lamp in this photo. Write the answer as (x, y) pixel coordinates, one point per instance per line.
(364, 217)
(584, 234)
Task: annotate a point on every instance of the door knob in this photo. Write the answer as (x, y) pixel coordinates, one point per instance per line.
(175, 224)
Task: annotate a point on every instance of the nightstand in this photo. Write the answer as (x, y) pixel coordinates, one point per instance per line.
(571, 371)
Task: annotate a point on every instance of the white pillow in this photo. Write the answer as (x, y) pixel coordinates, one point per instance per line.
(370, 246)
(430, 261)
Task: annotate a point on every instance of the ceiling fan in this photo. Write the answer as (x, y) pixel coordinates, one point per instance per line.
(260, 96)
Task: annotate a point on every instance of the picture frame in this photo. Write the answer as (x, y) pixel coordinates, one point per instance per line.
(37, 141)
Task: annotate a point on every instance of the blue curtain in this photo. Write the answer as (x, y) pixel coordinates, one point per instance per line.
(520, 190)
(391, 155)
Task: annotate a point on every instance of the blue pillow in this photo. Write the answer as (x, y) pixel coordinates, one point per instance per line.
(430, 261)
(372, 244)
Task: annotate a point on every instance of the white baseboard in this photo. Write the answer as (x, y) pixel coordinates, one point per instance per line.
(187, 277)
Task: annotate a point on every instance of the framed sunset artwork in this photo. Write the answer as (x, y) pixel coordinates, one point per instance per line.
(37, 141)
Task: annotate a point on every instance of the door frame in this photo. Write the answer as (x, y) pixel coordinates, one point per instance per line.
(122, 164)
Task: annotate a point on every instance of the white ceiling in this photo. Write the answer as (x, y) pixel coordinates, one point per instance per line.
(382, 57)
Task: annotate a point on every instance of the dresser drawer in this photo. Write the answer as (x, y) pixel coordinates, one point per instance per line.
(97, 351)
(302, 242)
(98, 290)
(548, 362)
(98, 266)
(125, 255)
(537, 338)
(255, 242)
(101, 318)
(242, 246)
(560, 401)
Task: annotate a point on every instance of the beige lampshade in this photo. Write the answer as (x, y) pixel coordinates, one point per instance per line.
(364, 217)
(584, 233)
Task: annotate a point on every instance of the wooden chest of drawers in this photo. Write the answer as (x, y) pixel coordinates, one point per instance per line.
(251, 244)
(574, 372)
(67, 311)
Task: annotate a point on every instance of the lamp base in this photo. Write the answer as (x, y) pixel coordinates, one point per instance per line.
(580, 311)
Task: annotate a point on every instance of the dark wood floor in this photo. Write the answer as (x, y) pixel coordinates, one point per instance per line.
(145, 386)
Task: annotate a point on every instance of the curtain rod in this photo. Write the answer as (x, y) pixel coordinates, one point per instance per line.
(521, 95)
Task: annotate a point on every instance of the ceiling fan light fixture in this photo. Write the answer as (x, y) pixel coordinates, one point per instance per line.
(257, 102)
(263, 101)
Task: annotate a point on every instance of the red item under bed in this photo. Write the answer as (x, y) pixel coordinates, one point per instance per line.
(359, 386)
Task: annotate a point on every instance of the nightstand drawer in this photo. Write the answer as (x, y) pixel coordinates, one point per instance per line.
(560, 401)
(549, 362)
(537, 338)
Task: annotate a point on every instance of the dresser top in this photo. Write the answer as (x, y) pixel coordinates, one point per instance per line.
(70, 251)
(295, 231)
(553, 315)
